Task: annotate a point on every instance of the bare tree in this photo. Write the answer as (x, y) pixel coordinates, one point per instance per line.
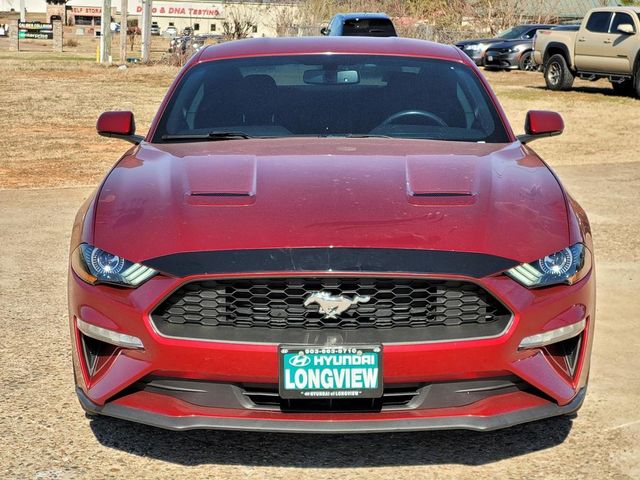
(284, 20)
(315, 14)
(496, 15)
(443, 21)
(240, 23)
(132, 32)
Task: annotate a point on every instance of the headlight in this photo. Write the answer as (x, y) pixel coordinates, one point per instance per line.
(94, 265)
(566, 266)
(517, 48)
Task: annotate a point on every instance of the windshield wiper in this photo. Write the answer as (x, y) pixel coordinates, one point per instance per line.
(365, 135)
(211, 136)
(353, 135)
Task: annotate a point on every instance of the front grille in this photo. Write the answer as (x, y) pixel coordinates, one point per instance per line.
(277, 304)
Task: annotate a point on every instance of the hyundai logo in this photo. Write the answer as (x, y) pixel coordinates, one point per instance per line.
(299, 360)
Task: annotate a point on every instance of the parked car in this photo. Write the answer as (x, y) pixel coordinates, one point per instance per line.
(155, 29)
(607, 45)
(515, 54)
(360, 25)
(213, 285)
(476, 49)
(171, 31)
(115, 27)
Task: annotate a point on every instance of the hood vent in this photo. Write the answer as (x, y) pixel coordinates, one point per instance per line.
(220, 194)
(225, 180)
(442, 194)
(440, 180)
(442, 198)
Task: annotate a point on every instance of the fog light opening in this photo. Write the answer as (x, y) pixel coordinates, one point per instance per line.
(91, 349)
(553, 336)
(97, 354)
(566, 354)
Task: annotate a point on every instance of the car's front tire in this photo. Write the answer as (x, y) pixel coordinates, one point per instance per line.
(526, 62)
(557, 74)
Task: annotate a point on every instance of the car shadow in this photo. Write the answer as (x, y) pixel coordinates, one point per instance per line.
(607, 91)
(330, 451)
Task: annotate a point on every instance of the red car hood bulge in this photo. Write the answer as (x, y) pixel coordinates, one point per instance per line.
(307, 192)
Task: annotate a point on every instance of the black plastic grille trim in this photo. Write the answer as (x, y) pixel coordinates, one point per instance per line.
(370, 260)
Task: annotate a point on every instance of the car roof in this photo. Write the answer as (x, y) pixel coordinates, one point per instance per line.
(362, 15)
(625, 8)
(338, 45)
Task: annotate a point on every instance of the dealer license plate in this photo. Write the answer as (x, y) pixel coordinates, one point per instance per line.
(330, 372)
(490, 58)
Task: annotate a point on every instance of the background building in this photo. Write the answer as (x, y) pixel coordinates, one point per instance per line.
(267, 18)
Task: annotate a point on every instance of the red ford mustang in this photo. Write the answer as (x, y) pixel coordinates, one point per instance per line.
(331, 235)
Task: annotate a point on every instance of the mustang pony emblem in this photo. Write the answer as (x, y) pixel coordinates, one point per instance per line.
(334, 305)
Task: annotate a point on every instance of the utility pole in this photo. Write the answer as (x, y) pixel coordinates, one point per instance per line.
(105, 32)
(23, 11)
(146, 30)
(124, 7)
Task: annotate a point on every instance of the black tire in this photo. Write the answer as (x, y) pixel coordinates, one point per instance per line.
(557, 74)
(526, 62)
(623, 88)
(636, 81)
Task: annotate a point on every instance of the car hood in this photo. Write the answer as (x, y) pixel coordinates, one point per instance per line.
(480, 40)
(497, 199)
(511, 43)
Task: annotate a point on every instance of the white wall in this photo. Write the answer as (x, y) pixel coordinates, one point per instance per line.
(33, 6)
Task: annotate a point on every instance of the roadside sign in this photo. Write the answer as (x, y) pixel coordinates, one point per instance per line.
(35, 30)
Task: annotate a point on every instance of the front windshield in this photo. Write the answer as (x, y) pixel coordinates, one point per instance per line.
(331, 95)
(514, 32)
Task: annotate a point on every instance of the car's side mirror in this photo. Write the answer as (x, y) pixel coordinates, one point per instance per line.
(324, 31)
(626, 28)
(541, 124)
(118, 125)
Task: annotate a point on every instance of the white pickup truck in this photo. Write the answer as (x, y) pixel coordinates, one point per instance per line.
(607, 45)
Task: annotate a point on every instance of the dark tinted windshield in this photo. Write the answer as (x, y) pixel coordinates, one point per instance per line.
(333, 95)
(373, 27)
(515, 32)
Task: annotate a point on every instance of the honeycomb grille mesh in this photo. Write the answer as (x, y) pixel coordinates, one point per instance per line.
(278, 303)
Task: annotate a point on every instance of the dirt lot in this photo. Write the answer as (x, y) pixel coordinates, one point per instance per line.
(51, 160)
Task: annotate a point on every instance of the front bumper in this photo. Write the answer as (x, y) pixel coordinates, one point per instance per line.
(505, 60)
(288, 424)
(109, 389)
(476, 55)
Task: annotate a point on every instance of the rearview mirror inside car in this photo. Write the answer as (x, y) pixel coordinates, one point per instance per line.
(541, 124)
(626, 28)
(118, 125)
(331, 77)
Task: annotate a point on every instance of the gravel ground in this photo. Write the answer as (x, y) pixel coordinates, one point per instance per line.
(45, 434)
